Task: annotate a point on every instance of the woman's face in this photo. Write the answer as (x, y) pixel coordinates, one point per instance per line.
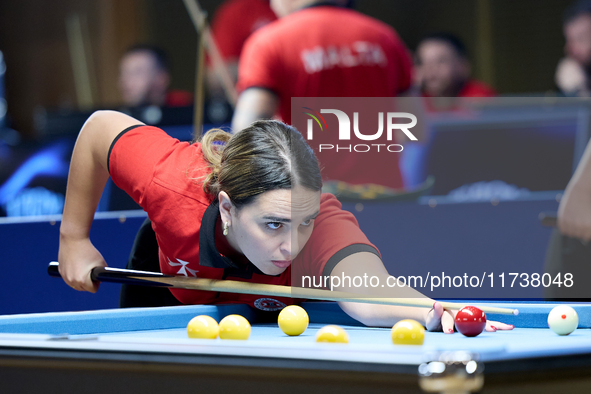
(274, 228)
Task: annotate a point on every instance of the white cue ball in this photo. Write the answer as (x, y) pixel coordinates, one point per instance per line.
(563, 319)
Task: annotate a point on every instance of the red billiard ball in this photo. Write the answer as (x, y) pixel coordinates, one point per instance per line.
(470, 321)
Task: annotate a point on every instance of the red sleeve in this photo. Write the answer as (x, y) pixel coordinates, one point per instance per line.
(336, 235)
(133, 157)
(259, 65)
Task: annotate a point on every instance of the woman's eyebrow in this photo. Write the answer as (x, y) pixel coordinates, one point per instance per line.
(277, 219)
(287, 220)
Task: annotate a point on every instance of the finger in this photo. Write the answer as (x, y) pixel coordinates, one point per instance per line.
(82, 286)
(447, 322)
(434, 317)
(88, 284)
(95, 287)
(492, 326)
(86, 287)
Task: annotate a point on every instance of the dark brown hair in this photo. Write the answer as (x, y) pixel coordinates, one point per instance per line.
(267, 155)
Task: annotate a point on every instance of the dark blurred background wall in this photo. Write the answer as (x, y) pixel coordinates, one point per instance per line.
(514, 45)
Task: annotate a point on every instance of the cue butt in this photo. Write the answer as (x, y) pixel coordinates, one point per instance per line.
(117, 275)
(53, 269)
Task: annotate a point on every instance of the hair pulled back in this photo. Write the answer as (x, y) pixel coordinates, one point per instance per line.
(267, 155)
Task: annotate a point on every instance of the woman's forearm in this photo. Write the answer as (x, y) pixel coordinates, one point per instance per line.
(369, 265)
(86, 181)
(88, 170)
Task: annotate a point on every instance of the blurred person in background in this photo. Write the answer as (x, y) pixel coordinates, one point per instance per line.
(443, 69)
(570, 78)
(572, 73)
(144, 79)
(233, 22)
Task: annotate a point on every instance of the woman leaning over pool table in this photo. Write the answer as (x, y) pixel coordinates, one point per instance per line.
(243, 207)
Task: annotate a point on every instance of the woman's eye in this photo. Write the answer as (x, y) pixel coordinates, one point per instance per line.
(274, 225)
(307, 222)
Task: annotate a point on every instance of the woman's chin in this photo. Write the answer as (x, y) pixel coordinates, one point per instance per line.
(272, 269)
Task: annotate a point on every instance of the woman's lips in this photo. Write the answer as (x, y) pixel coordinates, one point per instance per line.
(281, 263)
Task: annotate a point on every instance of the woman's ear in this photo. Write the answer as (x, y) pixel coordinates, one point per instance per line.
(226, 206)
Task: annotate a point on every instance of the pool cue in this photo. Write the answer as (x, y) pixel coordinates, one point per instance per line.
(118, 275)
(80, 54)
(548, 219)
(199, 94)
(198, 18)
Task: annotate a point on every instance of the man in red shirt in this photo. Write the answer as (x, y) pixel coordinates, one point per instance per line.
(318, 49)
(144, 79)
(321, 49)
(443, 69)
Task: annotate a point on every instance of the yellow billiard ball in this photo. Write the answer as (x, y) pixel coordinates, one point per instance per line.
(408, 332)
(234, 327)
(334, 334)
(293, 320)
(203, 326)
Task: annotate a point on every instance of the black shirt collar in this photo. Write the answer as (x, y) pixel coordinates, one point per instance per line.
(208, 253)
